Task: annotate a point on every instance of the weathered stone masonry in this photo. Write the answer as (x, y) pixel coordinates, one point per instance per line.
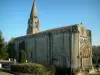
(59, 46)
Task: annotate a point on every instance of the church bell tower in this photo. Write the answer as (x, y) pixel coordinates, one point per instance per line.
(33, 22)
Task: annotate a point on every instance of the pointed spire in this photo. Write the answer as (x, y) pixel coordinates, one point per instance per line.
(33, 22)
(81, 22)
(34, 9)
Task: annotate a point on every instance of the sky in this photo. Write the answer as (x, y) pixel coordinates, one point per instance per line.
(14, 15)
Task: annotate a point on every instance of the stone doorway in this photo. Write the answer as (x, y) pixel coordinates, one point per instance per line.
(62, 60)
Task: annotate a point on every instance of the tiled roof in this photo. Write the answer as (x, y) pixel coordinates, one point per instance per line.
(50, 30)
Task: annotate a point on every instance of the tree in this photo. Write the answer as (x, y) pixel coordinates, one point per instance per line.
(10, 49)
(96, 54)
(22, 56)
(3, 47)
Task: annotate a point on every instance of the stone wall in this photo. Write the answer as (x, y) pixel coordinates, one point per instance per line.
(60, 47)
(75, 50)
(50, 48)
(30, 47)
(41, 50)
(61, 50)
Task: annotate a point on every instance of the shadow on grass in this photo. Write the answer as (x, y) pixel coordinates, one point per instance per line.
(63, 71)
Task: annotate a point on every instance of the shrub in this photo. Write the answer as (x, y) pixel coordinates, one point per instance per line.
(33, 68)
(22, 56)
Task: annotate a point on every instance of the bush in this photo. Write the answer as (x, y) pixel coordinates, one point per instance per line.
(33, 68)
(22, 56)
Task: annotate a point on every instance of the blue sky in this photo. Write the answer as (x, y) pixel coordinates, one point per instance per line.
(14, 15)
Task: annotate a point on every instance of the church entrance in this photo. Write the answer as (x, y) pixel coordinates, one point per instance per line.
(62, 60)
(62, 63)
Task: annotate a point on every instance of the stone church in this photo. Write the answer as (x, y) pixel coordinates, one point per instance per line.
(68, 46)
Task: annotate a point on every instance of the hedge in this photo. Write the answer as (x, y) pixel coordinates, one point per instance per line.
(33, 68)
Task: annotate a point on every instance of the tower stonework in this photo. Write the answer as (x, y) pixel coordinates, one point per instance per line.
(33, 22)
